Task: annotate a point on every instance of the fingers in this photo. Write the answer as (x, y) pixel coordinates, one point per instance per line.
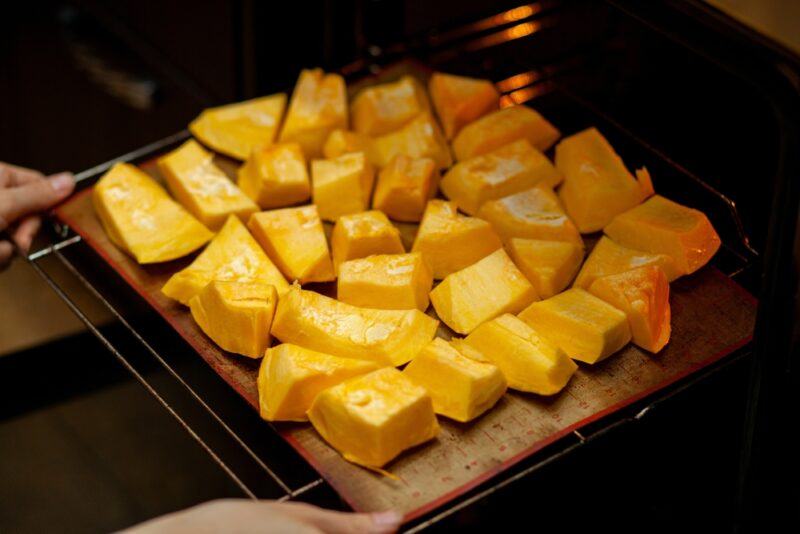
(6, 254)
(332, 522)
(16, 175)
(26, 231)
(33, 196)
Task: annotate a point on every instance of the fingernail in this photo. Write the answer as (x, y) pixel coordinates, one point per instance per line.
(387, 521)
(62, 182)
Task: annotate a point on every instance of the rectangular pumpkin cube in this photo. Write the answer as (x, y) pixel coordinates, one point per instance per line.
(386, 281)
(363, 234)
(420, 138)
(140, 217)
(405, 186)
(661, 226)
(531, 214)
(478, 293)
(372, 418)
(291, 377)
(549, 265)
(609, 257)
(587, 328)
(342, 185)
(236, 129)
(597, 186)
(528, 361)
(203, 189)
(461, 388)
(233, 255)
(643, 294)
(237, 316)
(295, 240)
(459, 100)
(384, 108)
(449, 241)
(344, 142)
(317, 322)
(507, 170)
(275, 176)
(317, 107)
(501, 127)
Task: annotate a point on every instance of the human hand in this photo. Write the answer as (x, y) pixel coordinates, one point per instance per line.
(23, 194)
(241, 516)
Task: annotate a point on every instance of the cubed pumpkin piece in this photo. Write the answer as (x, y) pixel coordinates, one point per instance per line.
(478, 293)
(528, 360)
(317, 322)
(295, 240)
(233, 255)
(507, 170)
(384, 108)
(459, 100)
(420, 138)
(363, 234)
(141, 218)
(597, 186)
(643, 294)
(236, 316)
(608, 257)
(236, 129)
(344, 142)
(661, 226)
(371, 419)
(342, 185)
(276, 176)
(318, 106)
(587, 328)
(386, 281)
(449, 241)
(549, 265)
(291, 377)
(532, 214)
(202, 187)
(501, 127)
(405, 186)
(461, 388)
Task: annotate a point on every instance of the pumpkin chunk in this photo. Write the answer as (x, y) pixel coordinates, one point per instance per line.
(597, 186)
(587, 328)
(362, 234)
(459, 100)
(386, 281)
(420, 138)
(202, 187)
(608, 257)
(294, 239)
(527, 359)
(291, 377)
(275, 176)
(548, 265)
(461, 388)
(236, 129)
(509, 169)
(236, 315)
(384, 108)
(478, 293)
(501, 127)
(533, 214)
(371, 419)
(643, 294)
(661, 226)
(449, 241)
(141, 218)
(317, 322)
(405, 186)
(344, 142)
(342, 185)
(318, 106)
(233, 255)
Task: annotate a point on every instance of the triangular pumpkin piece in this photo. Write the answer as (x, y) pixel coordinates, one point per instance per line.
(549, 265)
(609, 257)
(459, 100)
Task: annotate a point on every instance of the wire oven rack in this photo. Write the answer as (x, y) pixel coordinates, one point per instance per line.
(249, 450)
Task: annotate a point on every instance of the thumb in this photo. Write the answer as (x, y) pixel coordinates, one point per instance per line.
(34, 196)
